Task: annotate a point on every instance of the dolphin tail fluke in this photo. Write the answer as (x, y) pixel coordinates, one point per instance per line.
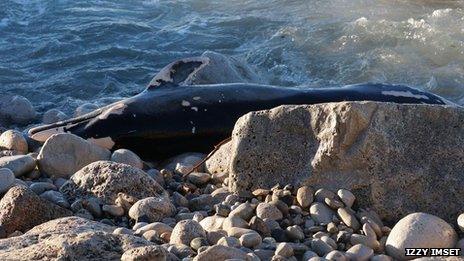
(178, 72)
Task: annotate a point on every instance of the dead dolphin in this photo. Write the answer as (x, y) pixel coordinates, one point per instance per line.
(170, 117)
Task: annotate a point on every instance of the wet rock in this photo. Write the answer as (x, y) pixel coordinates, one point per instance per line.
(13, 140)
(17, 109)
(104, 180)
(419, 230)
(219, 252)
(84, 109)
(394, 163)
(127, 157)
(152, 209)
(53, 115)
(20, 164)
(185, 231)
(7, 179)
(21, 209)
(64, 154)
(70, 238)
(145, 253)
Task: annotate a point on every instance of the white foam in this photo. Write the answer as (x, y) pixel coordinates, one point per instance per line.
(406, 94)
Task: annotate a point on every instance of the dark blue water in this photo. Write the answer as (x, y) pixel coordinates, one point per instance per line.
(60, 53)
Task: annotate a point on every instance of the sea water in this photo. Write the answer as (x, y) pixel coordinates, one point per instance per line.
(62, 53)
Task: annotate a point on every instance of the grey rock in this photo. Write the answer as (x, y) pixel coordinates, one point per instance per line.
(84, 109)
(69, 239)
(250, 240)
(56, 197)
(320, 247)
(320, 213)
(104, 180)
(185, 231)
(21, 209)
(41, 187)
(220, 252)
(127, 157)
(64, 154)
(359, 252)
(153, 209)
(268, 211)
(113, 210)
(389, 162)
(419, 230)
(145, 253)
(284, 249)
(53, 115)
(13, 140)
(347, 197)
(7, 179)
(244, 211)
(19, 164)
(17, 109)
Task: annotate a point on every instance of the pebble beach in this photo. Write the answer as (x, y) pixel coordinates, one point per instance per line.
(70, 199)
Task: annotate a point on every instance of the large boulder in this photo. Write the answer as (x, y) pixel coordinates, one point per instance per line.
(396, 158)
(21, 209)
(419, 230)
(17, 109)
(70, 238)
(63, 154)
(105, 179)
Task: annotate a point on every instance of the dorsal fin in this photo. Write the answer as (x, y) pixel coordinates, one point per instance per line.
(177, 72)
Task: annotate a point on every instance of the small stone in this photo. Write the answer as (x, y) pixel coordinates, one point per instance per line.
(461, 222)
(158, 227)
(244, 211)
(229, 241)
(56, 197)
(152, 236)
(128, 157)
(419, 230)
(381, 258)
(113, 210)
(18, 109)
(347, 197)
(125, 201)
(13, 140)
(308, 255)
(212, 223)
(84, 109)
(295, 233)
(53, 115)
(41, 187)
(199, 178)
(332, 228)
(198, 242)
(364, 240)
(64, 154)
(185, 231)
(157, 176)
(320, 213)
(348, 218)
(145, 253)
(7, 179)
(268, 211)
(202, 202)
(59, 182)
(238, 231)
(222, 210)
(152, 208)
(336, 256)
(284, 249)
(122, 231)
(359, 252)
(333, 203)
(320, 247)
(259, 226)
(234, 221)
(305, 196)
(19, 164)
(220, 252)
(322, 193)
(93, 206)
(250, 240)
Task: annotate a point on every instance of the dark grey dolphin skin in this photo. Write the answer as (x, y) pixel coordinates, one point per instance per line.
(169, 118)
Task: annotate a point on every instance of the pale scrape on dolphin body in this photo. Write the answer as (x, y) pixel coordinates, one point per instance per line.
(169, 118)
